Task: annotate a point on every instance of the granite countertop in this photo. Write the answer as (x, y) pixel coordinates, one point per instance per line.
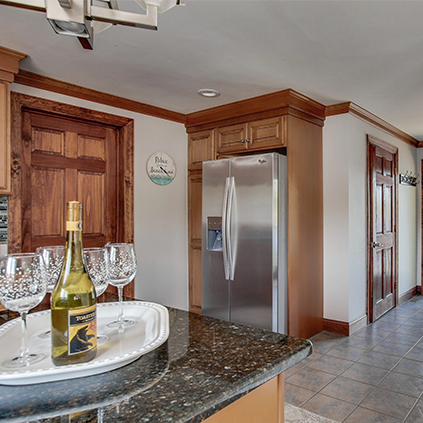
(204, 366)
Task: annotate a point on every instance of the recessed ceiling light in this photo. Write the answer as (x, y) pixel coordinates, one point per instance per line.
(208, 92)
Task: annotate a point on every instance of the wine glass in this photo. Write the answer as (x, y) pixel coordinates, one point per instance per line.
(22, 286)
(122, 270)
(97, 265)
(54, 257)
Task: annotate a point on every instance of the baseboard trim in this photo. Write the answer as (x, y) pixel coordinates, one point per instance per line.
(336, 326)
(344, 328)
(358, 324)
(408, 295)
(419, 290)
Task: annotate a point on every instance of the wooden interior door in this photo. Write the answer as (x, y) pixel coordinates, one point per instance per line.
(67, 160)
(382, 228)
(62, 153)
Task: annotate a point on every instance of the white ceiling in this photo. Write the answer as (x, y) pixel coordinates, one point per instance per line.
(368, 52)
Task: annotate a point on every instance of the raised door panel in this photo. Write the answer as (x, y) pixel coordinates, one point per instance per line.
(266, 133)
(195, 280)
(92, 148)
(195, 236)
(200, 149)
(92, 194)
(231, 139)
(47, 209)
(196, 208)
(47, 141)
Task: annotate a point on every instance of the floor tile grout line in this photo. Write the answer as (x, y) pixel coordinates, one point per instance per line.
(400, 358)
(389, 372)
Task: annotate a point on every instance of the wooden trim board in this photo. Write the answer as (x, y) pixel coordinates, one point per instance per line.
(336, 326)
(45, 83)
(275, 104)
(407, 295)
(368, 117)
(344, 328)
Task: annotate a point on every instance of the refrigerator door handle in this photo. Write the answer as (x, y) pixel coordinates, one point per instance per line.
(224, 227)
(228, 228)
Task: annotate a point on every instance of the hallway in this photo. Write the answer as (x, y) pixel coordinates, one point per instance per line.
(373, 376)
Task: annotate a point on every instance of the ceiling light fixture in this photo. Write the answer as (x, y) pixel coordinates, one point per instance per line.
(81, 18)
(208, 92)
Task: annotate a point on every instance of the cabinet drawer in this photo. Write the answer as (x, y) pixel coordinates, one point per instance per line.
(200, 149)
(231, 139)
(266, 133)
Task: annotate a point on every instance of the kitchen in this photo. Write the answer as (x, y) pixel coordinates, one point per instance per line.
(162, 211)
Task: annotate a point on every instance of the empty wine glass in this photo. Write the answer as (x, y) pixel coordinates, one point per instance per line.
(96, 263)
(53, 257)
(122, 270)
(22, 287)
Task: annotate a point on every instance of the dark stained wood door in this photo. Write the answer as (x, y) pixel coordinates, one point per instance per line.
(64, 160)
(62, 152)
(382, 231)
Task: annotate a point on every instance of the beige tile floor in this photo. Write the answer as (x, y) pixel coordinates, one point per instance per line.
(373, 376)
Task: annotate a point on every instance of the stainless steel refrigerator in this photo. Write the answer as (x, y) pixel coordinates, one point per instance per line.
(244, 251)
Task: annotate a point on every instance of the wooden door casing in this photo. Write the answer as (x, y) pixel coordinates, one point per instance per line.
(61, 153)
(382, 224)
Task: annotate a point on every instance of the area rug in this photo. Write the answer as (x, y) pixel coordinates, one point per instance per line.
(298, 415)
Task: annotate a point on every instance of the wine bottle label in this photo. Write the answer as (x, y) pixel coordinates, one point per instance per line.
(74, 226)
(82, 329)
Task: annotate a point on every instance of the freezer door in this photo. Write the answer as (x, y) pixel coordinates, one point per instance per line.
(254, 246)
(215, 289)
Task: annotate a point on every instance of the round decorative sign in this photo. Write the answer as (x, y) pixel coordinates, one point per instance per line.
(161, 168)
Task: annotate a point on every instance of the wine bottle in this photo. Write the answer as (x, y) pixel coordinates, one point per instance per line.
(73, 301)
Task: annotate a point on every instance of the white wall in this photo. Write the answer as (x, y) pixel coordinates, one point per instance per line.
(335, 219)
(160, 212)
(345, 185)
(419, 218)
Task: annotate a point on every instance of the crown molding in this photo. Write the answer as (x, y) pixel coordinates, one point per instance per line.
(45, 83)
(273, 104)
(368, 117)
(9, 63)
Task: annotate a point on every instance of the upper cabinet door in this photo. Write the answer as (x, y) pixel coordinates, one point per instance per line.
(200, 149)
(231, 139)
(265, 133)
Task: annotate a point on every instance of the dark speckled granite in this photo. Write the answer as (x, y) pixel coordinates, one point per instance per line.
(204, 366)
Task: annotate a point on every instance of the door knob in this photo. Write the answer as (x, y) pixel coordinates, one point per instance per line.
(377, 245)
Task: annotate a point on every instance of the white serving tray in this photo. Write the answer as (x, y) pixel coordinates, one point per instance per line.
(150, 331)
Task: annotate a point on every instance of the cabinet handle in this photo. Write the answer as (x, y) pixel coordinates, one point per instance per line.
(243, 141)
(248, 140)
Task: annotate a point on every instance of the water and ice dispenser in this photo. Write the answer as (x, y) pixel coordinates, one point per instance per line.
(214, 233)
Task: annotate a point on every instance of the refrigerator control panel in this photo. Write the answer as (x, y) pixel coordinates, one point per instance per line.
(214, 233)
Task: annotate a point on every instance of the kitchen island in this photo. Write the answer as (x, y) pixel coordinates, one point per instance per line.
(208, 370)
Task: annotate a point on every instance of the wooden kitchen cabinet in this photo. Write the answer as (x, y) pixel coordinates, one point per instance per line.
(200, 149)
(264, 124)
(256, 135)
